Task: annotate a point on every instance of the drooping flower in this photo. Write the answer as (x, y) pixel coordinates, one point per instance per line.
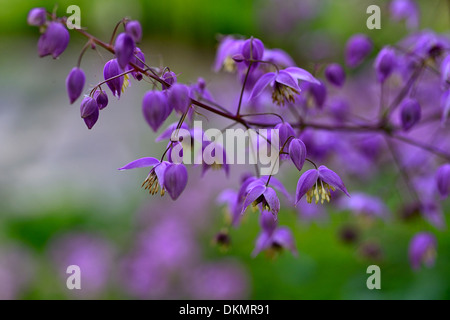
(443, 180)
(138, 59)
(297, 153)
(385, 63)
(335, 74)
(214, 157)
(54, 40)
(89, 111)
(422, 250)
(112, 70)
(155, 108)
(273, 237)
(405, 10)
(432, 212)
(410, 112)
(357, 49)
(124, 48)
(170, 77)
(165, 175)
(284, 84)
(37, 17)
(75, 83)
(366, 205)
(317, 183)
(259, 193)
(228, 47)
(171, 132)
(134, 29)
(318, 91)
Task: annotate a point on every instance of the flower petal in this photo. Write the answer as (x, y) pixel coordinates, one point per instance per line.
(285, 78)
(301, 74)
(254, 194)
(284, 238)
(306, 181)
(262, 242)
(272, 200)
(140, 163)
(175, 179)
(261, 84)
(331, 177)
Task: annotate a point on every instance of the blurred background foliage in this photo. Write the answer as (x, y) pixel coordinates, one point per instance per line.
(58, 178)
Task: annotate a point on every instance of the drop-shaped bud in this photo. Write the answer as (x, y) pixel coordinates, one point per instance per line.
(139, 60)
(252, 49)
(335, 74)
(124, 48)
(175, 179)
(89, 111)
(410, 113)
(178, 97)
(134, 29)
(170, 77)
(357, 49)
(75, 84)
(443, 180)
(319, 93)
(54, 40)
(155, 108)
(102, 99)
(297, 153)
(112, 70)
(385, 63)
(37, 17)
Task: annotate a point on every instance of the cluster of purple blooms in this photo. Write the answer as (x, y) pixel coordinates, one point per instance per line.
(322, 117)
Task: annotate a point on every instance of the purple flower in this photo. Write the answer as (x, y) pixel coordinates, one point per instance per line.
(252, 49)
(112, 70)
(317, 183)
(318, 92)
(297, 153)
(445, 105)
(124, 48)
(278, 57)
(385, 63)
(284, 84)
(170, 77)
(37, 17)
(164, 175)
(54, 40)
(335, 74)
(357, 49)
(102, 99)
(175, 179)
(363, 204)
(228, 47)
(432, 212)
(89, 111)
(155, 108)
(169, 132)
(422, 249)
(273, 237)
(259, 193)
(443, 180)
(178, 97)
(216, 157)
(285, 132)
(138, 59)
(445, 71)
(405, 10)
(75, 83)
(134, 29)
(410, 113)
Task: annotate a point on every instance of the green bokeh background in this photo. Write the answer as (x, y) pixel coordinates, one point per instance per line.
(183, 34)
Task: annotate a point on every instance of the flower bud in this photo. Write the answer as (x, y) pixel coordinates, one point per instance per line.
(297, 152)
(252, 49)
(139, 60)
(268, 221)
(110, 70)
(102, 99)
(178, 97)
(357, 49)
(89, 111)
(335, 74)
(443, 180)
(169, 77)
(410, 113)
(319, 93)
(124, 48)
(54, 40)
(75, 83)
(155, 108)
(422, 249)
(37, 17)
(285, 131)
(134, 29)
(385, 63)
(175, 179)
